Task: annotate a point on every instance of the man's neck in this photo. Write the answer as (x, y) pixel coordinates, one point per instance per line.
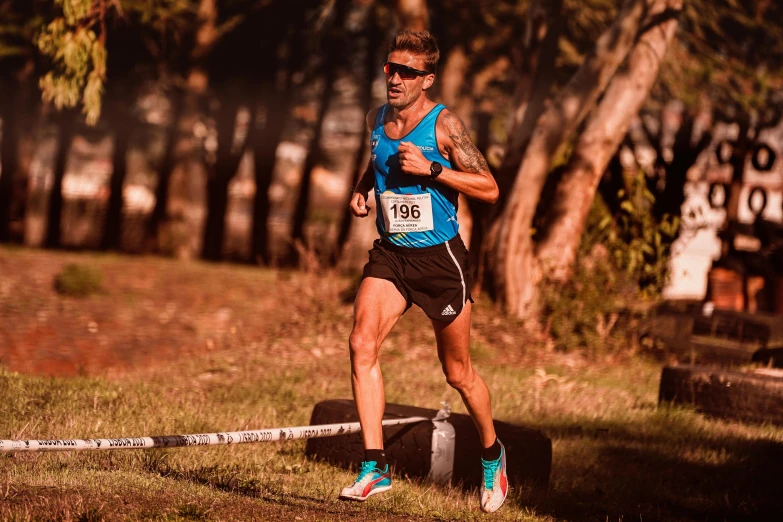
(411, 112)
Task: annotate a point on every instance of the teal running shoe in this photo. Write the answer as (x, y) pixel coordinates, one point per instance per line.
(494, 487)
(370, 481)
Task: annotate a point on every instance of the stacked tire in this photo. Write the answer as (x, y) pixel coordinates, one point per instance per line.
(409, 447)
(745, 396)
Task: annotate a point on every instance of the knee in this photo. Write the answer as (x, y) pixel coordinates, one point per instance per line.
(459, 377)
(364, 352)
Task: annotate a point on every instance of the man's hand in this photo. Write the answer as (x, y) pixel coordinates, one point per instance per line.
(359, 206)
(412, 161)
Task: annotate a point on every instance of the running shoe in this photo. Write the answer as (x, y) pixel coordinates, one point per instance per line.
(495, 485)
(370, 481)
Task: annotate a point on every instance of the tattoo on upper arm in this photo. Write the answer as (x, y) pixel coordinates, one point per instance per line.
(465, 151)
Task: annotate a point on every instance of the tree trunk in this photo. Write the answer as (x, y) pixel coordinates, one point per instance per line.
(277, 105)
(66, 120)
(535, 82)
(188, 106)
(360, 160)
(516, 270)
(413, 15)
(540, 49)
(684, 155)
(9, 156)
(215, 226)
(329, 67)
(112, 230)
(275, 99)
(605, 130)
(220, 175)
(167, 164)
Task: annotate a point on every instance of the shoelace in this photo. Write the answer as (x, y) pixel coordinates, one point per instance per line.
(490, 466)
(366, 469)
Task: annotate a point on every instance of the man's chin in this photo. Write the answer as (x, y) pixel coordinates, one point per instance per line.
(396, 102)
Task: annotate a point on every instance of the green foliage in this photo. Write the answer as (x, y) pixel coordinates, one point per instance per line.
(590, 311)
(640, 244)
(623, 262)
(78, 280)
(78, 54)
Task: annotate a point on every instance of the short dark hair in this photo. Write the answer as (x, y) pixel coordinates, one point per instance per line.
(421, 43)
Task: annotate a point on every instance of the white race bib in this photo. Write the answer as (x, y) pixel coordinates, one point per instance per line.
(407, 213)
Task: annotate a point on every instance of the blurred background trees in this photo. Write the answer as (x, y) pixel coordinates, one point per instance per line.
(234, 130)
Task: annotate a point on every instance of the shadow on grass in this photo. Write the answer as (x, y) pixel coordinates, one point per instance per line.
(667, 470)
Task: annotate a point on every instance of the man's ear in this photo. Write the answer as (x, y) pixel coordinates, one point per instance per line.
(428, 81)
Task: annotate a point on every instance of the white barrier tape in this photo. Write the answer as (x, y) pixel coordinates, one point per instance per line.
(201, 439)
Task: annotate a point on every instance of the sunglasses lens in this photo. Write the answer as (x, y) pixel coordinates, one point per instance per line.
(405, 72)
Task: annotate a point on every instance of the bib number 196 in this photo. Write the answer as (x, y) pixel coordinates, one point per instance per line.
(407, 213)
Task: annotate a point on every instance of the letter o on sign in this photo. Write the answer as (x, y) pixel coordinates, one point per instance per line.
(724, 151)
(763, 157)
(718, 195)
(756, 194)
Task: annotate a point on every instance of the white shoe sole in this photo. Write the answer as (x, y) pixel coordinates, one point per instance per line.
(492, 509)
(362, 499)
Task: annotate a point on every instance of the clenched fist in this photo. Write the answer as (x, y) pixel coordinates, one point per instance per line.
(412, 161)
(359, 206)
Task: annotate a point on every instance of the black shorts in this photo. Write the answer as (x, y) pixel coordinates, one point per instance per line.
(435, 278)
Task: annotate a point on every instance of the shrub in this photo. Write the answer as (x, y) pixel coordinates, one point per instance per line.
(621, 270)
(78, 280)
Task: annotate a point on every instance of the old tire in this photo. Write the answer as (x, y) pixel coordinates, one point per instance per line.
(753, 397)
(409, 447)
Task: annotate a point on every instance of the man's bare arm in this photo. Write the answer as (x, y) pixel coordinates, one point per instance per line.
(470, 175)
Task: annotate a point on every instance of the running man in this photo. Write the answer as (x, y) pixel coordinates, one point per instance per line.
(421, 159)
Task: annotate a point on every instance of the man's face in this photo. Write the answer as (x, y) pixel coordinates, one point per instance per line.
(401, 92)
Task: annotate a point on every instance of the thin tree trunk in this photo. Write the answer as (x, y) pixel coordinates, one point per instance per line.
(66, 121)
(112, 230)
(9, 156)
(277, 106)
(215, 226)
(159, 215)
(605, 130)
(516, 269)
(303, 200)
(276, 95)
(220, 175)
(187, 110)
(372, 36)
(684, 155)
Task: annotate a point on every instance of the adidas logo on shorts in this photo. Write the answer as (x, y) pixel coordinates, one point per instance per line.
(448, 311)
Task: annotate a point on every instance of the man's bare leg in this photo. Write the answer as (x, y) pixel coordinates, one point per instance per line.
(454, 354)
(377, 308)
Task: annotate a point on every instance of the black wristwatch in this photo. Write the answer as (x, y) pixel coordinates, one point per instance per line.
(435, 169)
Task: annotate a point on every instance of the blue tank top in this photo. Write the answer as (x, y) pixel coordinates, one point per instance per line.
(390, 180)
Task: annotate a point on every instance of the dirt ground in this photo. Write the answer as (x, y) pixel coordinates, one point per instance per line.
(151, 311)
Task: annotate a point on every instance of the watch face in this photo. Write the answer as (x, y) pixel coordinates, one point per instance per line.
(436, 168)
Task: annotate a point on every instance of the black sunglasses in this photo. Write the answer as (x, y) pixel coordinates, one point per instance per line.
(405, 72)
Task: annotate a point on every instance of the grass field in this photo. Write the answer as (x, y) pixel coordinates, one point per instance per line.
(170, 347)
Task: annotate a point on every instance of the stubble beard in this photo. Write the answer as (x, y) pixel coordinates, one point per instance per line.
(403, 101)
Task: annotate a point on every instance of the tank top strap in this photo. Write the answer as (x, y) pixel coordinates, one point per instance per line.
(432, 116)
(380, 118)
